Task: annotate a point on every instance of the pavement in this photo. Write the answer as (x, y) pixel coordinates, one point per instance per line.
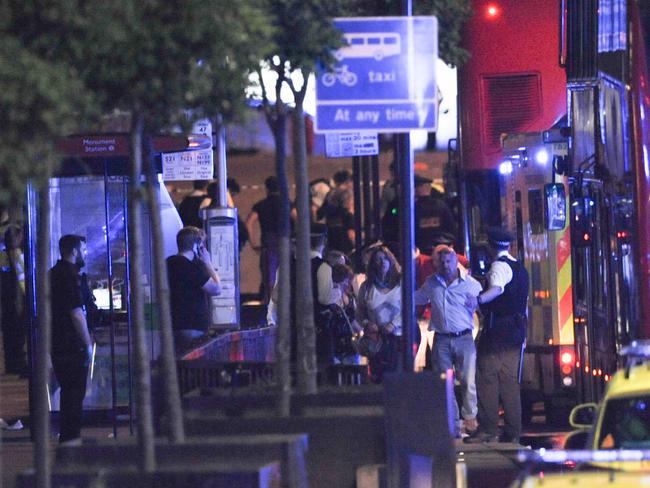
(16, 449)
(16, 446)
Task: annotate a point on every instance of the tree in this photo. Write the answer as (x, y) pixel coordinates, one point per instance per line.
(161, 61)
(41, 99)
(304, 36)
(153, 59)
(451, 14)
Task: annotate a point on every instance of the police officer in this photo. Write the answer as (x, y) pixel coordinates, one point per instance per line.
(500, 349)
(12, 299)
(431, 214)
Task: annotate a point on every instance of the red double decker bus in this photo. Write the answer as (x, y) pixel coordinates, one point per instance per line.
(555, 145)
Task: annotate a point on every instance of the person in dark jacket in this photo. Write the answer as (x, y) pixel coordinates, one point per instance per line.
(191, 204)
(12, 298)
(266, 213)
(502, 341)
(432, 216)
(72, 346)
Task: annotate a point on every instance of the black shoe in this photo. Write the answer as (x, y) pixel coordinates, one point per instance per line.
(479, 437)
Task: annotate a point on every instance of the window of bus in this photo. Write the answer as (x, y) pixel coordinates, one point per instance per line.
(612, 27)
(629, 310)
(583, 123)
(613, 136)
(601, 253)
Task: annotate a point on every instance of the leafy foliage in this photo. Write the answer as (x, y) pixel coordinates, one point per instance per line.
(168, 56)
(304, 39)
(64, 63)
(304, 33)
(451, 15)
(39, 101)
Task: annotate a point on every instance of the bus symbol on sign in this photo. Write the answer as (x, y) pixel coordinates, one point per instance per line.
(377, 45)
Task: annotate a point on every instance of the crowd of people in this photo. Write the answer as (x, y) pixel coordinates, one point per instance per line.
(357, 296)
(358, 304)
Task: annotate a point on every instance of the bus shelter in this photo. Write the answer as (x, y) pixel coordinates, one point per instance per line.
(88, 197)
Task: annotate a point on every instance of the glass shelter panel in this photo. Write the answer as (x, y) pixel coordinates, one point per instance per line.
(95, 207)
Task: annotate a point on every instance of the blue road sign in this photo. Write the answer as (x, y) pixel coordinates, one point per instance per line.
(385, 77)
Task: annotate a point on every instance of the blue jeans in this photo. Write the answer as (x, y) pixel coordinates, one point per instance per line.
(459, 354)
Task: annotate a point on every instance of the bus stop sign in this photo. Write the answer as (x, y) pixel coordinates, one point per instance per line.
(384, 79)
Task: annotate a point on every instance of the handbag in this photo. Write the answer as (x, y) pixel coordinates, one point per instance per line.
(366, 345)
(346, 338)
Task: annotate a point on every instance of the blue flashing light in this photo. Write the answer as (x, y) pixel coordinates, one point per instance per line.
(542, 157)
(505, 168)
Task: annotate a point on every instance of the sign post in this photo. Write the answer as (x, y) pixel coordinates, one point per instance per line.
(384, 80)
(342, 144)
(194, 163)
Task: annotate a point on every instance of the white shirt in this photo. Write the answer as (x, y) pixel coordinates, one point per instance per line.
(379, 307)
(500, 274)
(327, 293)
(448, 310)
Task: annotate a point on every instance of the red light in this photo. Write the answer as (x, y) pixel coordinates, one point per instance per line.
(566, 358)
(492, 11)
(577, 364)
(585, 236)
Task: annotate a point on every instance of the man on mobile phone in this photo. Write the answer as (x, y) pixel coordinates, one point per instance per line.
(192, 280)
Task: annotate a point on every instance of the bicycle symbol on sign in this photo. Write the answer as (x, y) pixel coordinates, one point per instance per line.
(342, 74)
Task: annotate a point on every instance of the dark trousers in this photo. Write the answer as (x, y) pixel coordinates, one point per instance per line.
(497, 377)
(12, 321)
(387, 360)
(13, 339)
(71, 371)
(269, 263)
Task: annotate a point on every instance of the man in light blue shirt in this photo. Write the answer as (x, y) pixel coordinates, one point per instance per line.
(452, 294)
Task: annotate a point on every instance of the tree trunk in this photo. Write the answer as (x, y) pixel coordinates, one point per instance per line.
(44, 337)
(147, 459)
(169, 374)
(307, 367)
(283, 338)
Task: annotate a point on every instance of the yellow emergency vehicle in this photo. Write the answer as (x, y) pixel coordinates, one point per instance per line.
(535, 207)
(622, 419)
